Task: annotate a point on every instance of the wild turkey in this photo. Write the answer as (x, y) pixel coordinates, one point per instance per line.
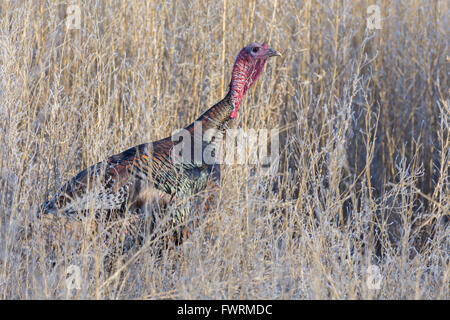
(147, 173)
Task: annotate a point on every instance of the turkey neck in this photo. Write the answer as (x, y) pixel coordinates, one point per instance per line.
(218, 116)
(213, 122)
(208, 130)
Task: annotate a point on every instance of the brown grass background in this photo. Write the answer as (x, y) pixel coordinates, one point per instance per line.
(364, 117)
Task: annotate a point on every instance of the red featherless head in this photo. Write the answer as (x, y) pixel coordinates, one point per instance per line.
(247, 68)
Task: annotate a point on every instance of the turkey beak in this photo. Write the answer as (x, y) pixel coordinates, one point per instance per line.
(272, 53)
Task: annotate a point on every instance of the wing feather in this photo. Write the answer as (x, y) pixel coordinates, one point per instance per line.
(104, 185)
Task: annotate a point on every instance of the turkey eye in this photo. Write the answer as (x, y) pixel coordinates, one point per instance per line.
(255, 49)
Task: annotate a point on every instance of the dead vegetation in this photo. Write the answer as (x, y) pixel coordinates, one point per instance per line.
(363, 177)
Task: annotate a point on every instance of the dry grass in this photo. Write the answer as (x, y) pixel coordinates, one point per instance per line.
(363, 177)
